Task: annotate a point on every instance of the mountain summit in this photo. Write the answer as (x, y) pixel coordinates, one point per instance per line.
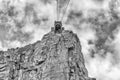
(57, 56)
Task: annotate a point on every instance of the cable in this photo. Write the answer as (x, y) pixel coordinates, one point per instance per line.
(58, 12)
(65, 10)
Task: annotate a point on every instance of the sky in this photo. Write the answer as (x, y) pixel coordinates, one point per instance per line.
(96, 22)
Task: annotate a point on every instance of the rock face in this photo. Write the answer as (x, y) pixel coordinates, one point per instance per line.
(55, 57)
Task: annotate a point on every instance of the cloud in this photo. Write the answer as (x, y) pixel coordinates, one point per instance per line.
(23, 22)
(102, 69)
(1, 46)
(99, 38)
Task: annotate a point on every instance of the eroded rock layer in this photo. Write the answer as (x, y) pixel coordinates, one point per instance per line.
(56, 57)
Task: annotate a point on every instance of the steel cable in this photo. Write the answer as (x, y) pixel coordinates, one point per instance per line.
(64, 10)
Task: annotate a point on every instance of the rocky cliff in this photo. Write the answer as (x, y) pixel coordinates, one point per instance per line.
(57, 56)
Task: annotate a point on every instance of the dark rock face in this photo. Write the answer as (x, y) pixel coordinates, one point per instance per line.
(55, 57)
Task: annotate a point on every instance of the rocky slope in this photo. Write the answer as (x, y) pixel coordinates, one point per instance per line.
(57, 56)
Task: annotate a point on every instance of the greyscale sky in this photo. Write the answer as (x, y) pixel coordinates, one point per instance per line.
(96, 22)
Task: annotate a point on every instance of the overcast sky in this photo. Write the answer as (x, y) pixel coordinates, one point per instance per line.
(96, 23)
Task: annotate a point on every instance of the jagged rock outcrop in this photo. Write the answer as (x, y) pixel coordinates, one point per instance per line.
(57, 56)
